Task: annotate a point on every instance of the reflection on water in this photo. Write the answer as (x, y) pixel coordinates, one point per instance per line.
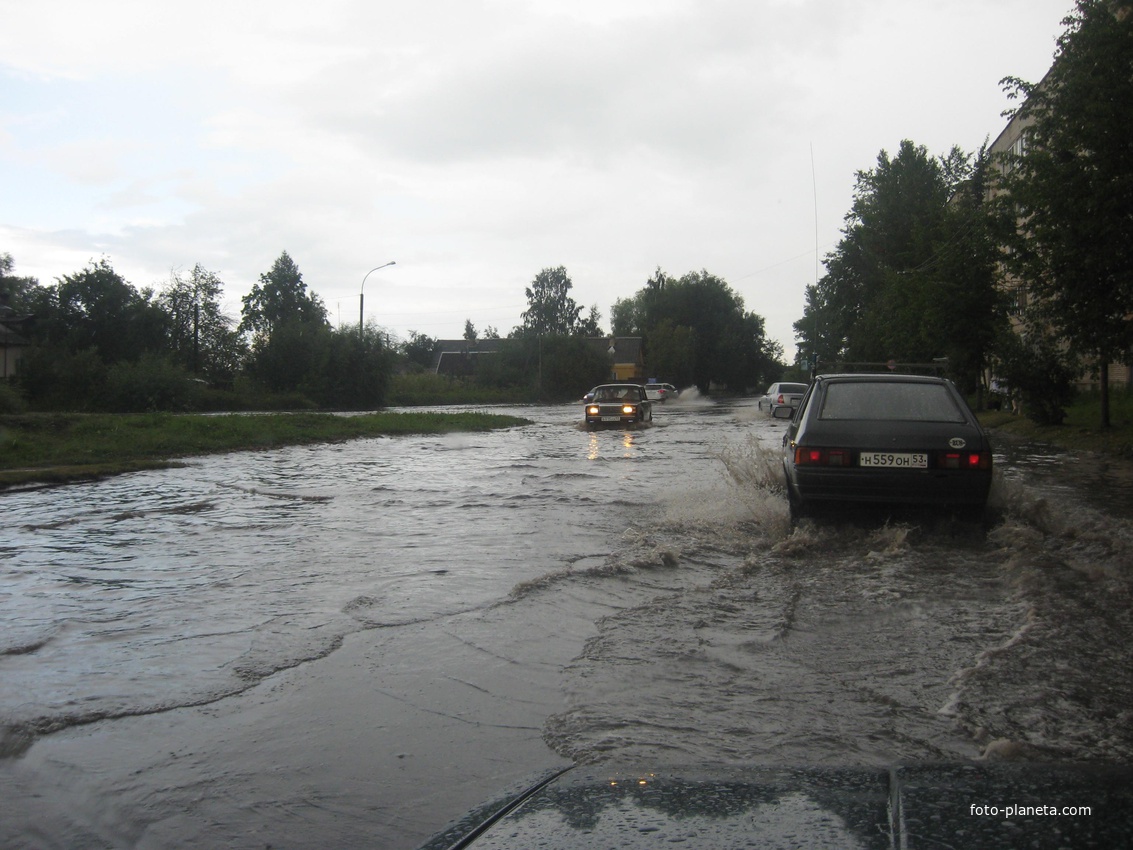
(1101, 481)
(601, 442)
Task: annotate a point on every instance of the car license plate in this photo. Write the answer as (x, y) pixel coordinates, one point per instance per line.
(904, 460)
(611, 419)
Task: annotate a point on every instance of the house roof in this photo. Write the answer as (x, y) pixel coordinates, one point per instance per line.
(9, 337)
(449, 347)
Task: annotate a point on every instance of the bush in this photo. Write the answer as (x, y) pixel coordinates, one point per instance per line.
(53, 379)
(1038, 374)
(407, 390)
(553, 368)
(151, 384)
(337, 369)
(10, 399)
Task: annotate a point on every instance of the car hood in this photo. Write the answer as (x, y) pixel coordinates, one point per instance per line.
(903, 806)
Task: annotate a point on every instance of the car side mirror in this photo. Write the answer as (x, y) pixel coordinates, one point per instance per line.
(783, 412)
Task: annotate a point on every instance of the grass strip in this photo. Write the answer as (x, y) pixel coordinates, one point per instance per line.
(52, 448)
(1082, 429)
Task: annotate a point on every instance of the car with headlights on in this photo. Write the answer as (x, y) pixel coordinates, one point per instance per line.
(782, 394)
(618, 404)
(885, 439)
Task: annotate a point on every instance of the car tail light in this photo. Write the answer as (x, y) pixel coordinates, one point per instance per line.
(838, 457)
(805, 456)
(780, 399)
(965, 460)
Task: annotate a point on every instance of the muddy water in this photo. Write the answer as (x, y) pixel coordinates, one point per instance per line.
(349, 645)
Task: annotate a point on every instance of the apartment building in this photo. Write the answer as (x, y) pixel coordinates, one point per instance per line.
(1013, 140)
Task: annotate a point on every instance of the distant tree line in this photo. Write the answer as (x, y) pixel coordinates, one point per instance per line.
(698, 333)
(932, 246)
(100, 343)
(694, 332)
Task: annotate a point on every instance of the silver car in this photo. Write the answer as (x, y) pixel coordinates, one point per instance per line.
(782, 395)
(661, 392)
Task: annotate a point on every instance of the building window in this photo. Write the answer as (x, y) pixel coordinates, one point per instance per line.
(1016, 300)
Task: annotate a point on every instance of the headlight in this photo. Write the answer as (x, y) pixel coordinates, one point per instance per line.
(592, 410)
(629, 410)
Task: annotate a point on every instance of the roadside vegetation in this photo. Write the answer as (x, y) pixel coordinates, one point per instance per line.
(54, 447)
(93, 342)
(1079, 431)
(1015, 264)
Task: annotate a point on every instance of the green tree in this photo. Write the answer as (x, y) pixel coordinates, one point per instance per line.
(552, 366)
(672, 353)
(288, 326)
(350, 371)
(152, 383)
(913, 277)
(551, 310)
(728, 344)
(419, 349)
(570, 365)
(1070, 192)
(469, 330)
(339, 369)
(280, 298)
(17, 294)
(1039, 373)
(632, 316)
(696, 331)
(202, 338)
(966, 308)
(283, 362)
(98, 309)
(591, 325)
(624, 317)
(53, 378)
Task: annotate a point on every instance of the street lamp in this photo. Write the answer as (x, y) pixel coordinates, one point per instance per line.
(362, 293)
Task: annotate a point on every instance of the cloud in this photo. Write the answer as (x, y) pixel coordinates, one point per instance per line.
(478, 142)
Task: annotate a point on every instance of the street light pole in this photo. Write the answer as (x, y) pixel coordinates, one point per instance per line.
(362, 294)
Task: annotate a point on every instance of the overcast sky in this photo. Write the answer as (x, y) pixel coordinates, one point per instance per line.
(476, 142)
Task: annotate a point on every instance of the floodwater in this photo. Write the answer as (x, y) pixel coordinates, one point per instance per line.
(351, 645)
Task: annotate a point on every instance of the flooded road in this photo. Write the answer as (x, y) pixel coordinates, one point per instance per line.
(350, 645)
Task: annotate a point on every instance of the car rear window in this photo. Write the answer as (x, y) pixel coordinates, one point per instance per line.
(883, 400)
(792, 388)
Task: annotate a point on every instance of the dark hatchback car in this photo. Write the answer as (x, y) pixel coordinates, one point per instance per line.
(618, 404)
(885, 439)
